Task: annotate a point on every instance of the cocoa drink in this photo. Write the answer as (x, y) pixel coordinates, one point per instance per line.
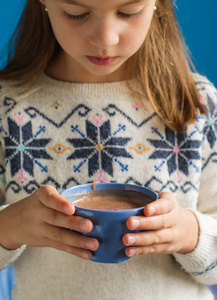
(112, 199)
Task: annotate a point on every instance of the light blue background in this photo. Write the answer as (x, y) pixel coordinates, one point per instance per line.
(198, 20)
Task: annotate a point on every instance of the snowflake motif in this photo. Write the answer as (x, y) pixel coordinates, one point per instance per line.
(175, 149)
(21, 148)
(210, 127)
(2, 171)
(99, 148)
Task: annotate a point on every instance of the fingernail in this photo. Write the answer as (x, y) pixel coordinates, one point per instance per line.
(151, 210)
(131, 240)
(89, 245)
(85, 255)
(132, 252)
(83, 225)
(135, 223)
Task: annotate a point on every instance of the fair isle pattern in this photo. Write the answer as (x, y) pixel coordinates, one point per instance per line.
(22, 148)
(211, 122)
(81, 109)
(175, 149)
(67, 134)
(100, 143)
(99, 147)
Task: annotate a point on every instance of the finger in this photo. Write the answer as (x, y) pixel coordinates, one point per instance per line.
(151, 223)
(148, 238)
(49, 197)
(158, 248)
(94, 184)
(56, 218)
(163, 205)
(79, 252)
(67, 237)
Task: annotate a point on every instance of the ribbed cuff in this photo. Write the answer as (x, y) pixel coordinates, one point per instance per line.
(204, 256)
(7, 257)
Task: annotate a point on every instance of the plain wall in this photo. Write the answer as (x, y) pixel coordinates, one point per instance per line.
(198, 21)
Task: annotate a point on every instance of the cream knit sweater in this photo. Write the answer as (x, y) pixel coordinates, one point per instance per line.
(49, 135)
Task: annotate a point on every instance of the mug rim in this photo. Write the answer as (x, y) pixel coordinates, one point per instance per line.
(87, 187)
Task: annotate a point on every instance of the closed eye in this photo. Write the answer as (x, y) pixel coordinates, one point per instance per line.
(127, 16)
(77, 17)
(86, 15)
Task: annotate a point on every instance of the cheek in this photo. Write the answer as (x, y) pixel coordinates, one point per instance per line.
(66, 35)
(136, 34)
(67, 38)
(135, 39)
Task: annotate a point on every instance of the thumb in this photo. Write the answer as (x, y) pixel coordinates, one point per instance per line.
(49, 197)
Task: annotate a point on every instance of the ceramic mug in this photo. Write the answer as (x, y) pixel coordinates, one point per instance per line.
(109, 226)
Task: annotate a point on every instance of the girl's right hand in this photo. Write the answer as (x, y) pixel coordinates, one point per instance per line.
(43, 220)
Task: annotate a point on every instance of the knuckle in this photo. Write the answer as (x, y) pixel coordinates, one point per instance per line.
(71, 223)
(141, 251)
(175, 235)
(157, 238)
(57, 236)
(44, 189)
(63, 247)
(164, 222)
(168, 201)
(171, 202)
(52, 216)
(147, 250)
(146, 223)
(171, 248)
(152, 249)
(47, 191)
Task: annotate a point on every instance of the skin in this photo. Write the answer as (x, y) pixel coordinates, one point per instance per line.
(168, 226)
(41, 219)
(105, 31)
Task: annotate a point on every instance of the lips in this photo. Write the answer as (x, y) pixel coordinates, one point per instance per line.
(101, 61)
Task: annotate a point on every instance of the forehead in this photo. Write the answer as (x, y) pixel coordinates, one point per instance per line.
(90, 2)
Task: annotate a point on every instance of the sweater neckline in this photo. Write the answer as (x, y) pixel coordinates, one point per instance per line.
(48, 83)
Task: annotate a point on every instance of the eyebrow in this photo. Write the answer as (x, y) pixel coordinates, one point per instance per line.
(73, 2)
(70, 2)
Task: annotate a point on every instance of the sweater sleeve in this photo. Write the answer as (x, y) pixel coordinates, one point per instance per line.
(6, 256)
(202, 262)
(2, 170)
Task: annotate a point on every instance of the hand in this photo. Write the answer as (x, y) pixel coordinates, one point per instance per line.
(43, 220)
(169, 228)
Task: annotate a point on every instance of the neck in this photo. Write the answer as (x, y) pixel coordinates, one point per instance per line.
(60, 68)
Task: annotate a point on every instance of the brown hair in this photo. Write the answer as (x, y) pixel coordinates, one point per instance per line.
(34, 44)
(161, 65)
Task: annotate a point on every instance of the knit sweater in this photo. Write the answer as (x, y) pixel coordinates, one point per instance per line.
(51, 134)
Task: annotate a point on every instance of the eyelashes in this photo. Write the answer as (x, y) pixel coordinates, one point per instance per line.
(85, 16)
(76, 17)
(128, 16)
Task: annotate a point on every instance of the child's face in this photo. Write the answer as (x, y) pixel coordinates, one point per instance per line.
(97, 37)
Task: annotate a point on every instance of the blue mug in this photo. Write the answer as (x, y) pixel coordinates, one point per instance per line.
(109, 226)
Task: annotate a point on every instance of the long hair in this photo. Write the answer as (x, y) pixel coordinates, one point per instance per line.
(161, 65)
(32, 45)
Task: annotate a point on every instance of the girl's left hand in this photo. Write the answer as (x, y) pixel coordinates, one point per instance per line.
(168, 228)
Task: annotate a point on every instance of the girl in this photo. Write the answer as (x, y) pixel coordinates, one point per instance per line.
(102, 90)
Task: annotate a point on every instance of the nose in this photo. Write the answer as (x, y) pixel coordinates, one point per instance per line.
(104, 35)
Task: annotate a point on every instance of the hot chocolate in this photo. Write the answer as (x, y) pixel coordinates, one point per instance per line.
(112, 199)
